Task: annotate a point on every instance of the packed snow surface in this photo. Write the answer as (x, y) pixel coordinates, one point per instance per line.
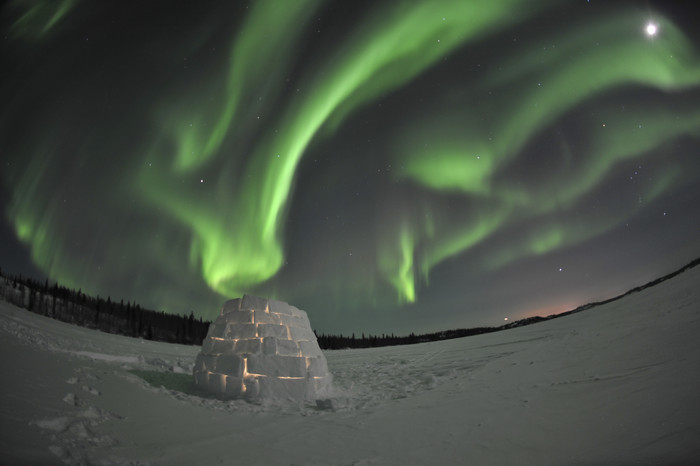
(616, 384)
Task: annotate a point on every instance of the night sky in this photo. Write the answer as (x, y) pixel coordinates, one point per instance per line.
(385, 166)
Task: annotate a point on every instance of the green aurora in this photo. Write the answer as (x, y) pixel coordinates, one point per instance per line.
(344, 158)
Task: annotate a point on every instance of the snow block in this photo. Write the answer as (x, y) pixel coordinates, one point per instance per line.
(240, 317)
(291, 321)
(221, 321)
(250, 303)
(305, 322)
(201, 379)
(310, 349)
(234, 387)
(260, 349)
(288, 348)
(230, 364)
(283, 389)
(205, 362)
(208, 345)
(236, 331)
(319, 386)
(262, 317)
(302, 334)
(215, 346)
(250, 346)
(269, 345)
(317, 367)
(217, 383)
(277, 366)
(199, 363)
(271, 330)
(279, 307)
(216, 330)
(231, 305)
(252, 388)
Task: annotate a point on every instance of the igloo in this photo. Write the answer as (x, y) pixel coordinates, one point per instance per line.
(260, 349)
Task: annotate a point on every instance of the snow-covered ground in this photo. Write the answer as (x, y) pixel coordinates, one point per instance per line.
(617, 384)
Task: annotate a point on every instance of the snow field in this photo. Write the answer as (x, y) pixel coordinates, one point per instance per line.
(614, 384)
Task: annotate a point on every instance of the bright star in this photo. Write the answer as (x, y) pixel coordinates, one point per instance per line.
(651, 29)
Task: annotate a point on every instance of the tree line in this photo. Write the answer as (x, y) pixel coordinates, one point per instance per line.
(132, 320)
(374, 341)
(75, 307)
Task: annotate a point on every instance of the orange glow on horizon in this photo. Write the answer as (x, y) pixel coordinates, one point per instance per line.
(546, 311)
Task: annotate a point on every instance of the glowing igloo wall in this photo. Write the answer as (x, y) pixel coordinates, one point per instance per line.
(261, 349)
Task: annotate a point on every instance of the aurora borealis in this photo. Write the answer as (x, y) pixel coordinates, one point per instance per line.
(386, 166)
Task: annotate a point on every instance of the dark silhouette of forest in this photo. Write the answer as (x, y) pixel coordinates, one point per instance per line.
(130, 319)
(75, 307)
(374, 341)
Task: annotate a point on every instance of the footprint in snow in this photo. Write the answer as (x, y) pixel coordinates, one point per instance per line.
(91, 390)
(57, 424)
(71, 399)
